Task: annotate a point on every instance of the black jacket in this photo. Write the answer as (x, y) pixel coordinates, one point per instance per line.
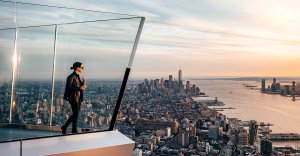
(73, 91)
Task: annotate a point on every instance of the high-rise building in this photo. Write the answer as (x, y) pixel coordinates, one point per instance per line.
(273, 88)
(166, 83)
(180, 77)
(274, 81)
(150, 146)
(266, 147)
(143, 86)
(194, 140)
(149, 88)
(243, 138)
(152, 84)
(140, 87)
(214, 132)
(146, 83)
(109, 99)
(157, 83)
(253, 126)
(176, 84)
(194, 89)
(162, 83)
(277, 87)
(170, 81)
(183, 139)
(287, 88)
(197, 90)
(293, 86)
(263, 85)
(188, 86)
(168, 131)
(181, 89)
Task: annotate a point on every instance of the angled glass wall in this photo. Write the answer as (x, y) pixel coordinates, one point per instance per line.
(39, 44)
(104, 48)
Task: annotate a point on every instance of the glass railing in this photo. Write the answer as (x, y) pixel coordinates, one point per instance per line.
(39, 44)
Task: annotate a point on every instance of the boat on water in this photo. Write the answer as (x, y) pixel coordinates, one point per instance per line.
(283, 136)
(250, 86)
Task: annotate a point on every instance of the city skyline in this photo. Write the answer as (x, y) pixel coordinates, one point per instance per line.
(159, 115)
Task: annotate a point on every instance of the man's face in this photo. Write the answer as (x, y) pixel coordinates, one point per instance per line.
(80, 68)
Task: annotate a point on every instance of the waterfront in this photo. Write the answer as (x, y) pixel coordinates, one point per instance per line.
(253, 105)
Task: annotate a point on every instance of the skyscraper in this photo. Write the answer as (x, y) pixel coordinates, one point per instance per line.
(253, 126)
(266, 147)
(293, 86)
(157, 83)
(214, 132)
(287, 88)
(274, 81)
(263, 85)
(188, 86)
(152, 84)
(146, 83)
(183, 139)
(180, 77)
(194, 89)
(277, 87)
(162, 83)
(170, 81)
(273, 88)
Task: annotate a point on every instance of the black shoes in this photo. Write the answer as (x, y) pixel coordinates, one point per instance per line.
(64, 129)
(74, 131)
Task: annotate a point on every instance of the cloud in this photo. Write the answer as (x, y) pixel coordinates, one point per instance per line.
(179, 32)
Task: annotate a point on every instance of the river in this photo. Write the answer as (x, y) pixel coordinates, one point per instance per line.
(253, 105)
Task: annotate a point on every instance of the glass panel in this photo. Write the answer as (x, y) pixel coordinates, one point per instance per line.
(104, 49)
(7, 15)
(34, 15)
(7, 131)
(33, 90)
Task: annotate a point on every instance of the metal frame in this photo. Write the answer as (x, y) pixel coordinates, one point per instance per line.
(127, 71)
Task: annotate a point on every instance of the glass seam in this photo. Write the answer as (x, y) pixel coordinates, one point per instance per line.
(113, 19)
(53, 74)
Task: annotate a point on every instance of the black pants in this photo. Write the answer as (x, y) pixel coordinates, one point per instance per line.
(75, 109)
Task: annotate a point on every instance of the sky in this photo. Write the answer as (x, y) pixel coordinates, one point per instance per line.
(228, 38)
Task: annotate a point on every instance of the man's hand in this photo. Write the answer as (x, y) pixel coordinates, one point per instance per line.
(83, 79)
(82, 87)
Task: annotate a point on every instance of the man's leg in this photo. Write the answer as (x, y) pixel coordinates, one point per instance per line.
(74, 125)
(74, 106)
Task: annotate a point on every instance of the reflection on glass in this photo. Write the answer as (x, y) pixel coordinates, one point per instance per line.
(6, 63)
(7, 15)
(7, 38)
(33, 87)
(104, 48)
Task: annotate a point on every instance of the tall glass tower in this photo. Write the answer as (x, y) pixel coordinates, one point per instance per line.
(180, 77)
